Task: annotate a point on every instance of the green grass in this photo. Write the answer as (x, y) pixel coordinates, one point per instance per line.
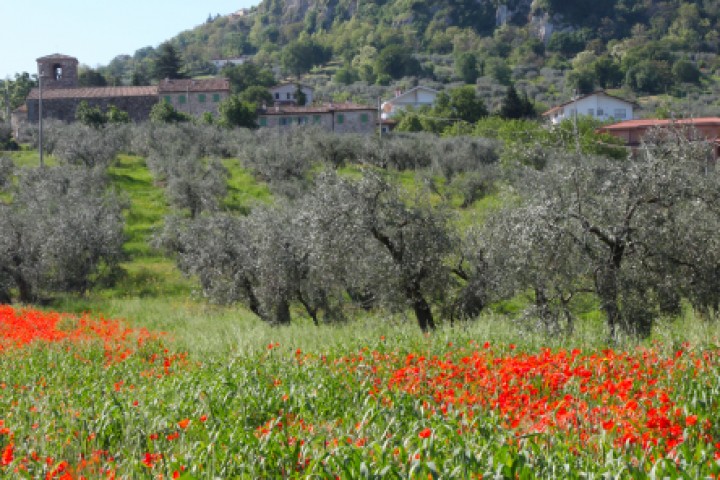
(27, 157)
(243, 189)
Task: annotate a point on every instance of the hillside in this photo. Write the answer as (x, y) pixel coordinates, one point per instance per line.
(549, 48)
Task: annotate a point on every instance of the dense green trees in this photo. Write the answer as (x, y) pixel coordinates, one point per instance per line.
(236, 112)
(300, 55)
(168, 63)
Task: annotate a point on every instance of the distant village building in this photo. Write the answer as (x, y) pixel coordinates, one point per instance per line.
(340, 117)
(286, 93)
(598, 105)
(222, 62)
(632, 132)
(194, 97)
(61, 94)
(415, 98)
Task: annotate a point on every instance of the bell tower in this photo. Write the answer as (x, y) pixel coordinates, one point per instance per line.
(58, 71)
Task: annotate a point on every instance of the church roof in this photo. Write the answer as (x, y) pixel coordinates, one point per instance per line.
(93, 92)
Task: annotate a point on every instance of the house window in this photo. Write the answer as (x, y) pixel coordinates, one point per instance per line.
(201, 98)
(182, 99)
(316, 119)
(591, 112)
(600, 112)
(619, 113)
(283, 121)
(277, 96)
(263, 121)
(340, 119)
(216, 97)
(364, 118)
(288, 97)
(302, 120)
(168, 98)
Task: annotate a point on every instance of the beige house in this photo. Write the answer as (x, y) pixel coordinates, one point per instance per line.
(341, 117)
(194, 97)
(285, 94)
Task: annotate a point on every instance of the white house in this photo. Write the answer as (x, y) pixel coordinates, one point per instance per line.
(222, 62)
(284, 94)
(598, 105)
(416, 97)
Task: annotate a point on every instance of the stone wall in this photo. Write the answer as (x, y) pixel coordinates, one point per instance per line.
(137, 107)
(195, 103)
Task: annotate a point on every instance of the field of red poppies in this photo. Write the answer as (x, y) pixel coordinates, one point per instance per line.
(86, 397)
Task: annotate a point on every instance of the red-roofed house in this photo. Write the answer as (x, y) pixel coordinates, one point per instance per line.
(633, 131)
(61, 94)
(194, 96)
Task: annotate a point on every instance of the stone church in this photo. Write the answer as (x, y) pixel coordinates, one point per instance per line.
(61, 94)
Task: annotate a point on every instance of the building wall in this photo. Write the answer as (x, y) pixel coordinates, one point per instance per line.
(195, 103)
(414, 98)
(286, 94)
(600, 107)
(362, 121)
(67, 65)
(138, 108)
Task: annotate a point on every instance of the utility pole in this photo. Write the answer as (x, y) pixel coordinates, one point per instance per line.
(7, 101)
(380, 119)
(40, 118)
(575, 119)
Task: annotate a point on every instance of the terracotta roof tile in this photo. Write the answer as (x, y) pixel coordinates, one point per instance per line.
(193, 85)
(94, 92)
(324, 108)
(654, 122)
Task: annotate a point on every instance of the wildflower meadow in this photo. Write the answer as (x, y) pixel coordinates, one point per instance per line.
(88, 397)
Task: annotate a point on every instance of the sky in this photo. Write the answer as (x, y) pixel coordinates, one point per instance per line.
(95, 31)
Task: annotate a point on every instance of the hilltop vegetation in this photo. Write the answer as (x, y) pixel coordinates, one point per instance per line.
(664, 53)
(550, 48)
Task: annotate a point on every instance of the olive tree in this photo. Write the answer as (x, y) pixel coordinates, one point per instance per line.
(263, 260)
(195, 184)
(78, 144)
(394, 247)
(628, 228)
(62, 231)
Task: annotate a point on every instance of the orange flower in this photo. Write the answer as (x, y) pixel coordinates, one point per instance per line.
(425, 433)
(184, 423)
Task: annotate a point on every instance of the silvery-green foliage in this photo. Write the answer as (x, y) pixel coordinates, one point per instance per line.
(159, 141)
(401, 151)
(7, 168)
(455, 156)
(384, 242)
(62, 231)
(279, 159)
(332, 149)
(195, 184)
(78, 144)
(217, 249)
(634, 228)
